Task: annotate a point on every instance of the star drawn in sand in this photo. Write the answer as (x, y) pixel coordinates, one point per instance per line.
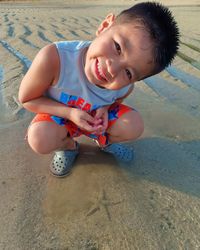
(102, 201)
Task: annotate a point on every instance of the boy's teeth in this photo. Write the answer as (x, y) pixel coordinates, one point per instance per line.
(100, 71)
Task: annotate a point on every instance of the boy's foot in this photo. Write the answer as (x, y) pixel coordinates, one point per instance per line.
(62, 162)
(121, 152)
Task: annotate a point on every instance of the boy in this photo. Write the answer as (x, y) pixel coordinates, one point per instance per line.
(77, 87)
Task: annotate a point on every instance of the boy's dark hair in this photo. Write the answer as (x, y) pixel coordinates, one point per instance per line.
(160, 24)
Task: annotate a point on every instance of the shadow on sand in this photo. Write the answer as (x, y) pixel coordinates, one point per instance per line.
(170, 163)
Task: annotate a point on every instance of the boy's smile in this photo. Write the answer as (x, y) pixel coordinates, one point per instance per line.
(120, 54)
(99, 71)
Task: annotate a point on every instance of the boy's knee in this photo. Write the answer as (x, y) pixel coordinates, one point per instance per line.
(134, 126)
(131, 126)
(138, 125)
(37, 139)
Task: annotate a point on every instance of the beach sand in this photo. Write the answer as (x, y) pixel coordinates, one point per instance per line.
(153, 203)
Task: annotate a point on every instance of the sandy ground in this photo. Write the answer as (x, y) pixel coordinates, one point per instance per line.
(152, 204)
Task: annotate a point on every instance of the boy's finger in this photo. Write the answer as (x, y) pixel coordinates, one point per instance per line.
(91, 128)
(88, 127)
(105, 124)
(97, 115)
(89, 118)
(98, 121)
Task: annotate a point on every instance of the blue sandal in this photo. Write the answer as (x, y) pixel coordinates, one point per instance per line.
(121, 152)
(62, 162)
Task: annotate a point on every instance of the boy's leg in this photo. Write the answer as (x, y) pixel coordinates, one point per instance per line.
(45, 135)
(124, 124)
(127, 127)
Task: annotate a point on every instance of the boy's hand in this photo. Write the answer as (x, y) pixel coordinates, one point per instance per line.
(101, 118)
(84, 120)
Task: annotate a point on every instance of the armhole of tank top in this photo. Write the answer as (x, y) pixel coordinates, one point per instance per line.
(60, 74)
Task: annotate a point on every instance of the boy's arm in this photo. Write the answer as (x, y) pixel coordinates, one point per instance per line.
(44, 72)
(120, 100)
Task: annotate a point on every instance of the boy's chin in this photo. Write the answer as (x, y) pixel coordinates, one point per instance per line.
(100, 86)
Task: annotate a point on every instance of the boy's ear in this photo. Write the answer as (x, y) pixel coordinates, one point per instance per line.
(106, 23)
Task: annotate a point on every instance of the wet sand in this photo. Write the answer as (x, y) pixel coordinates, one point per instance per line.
(153, 203)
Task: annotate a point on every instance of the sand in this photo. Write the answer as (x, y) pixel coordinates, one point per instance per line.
(153, 203)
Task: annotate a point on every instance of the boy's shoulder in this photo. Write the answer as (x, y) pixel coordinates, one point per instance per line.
(72, 45)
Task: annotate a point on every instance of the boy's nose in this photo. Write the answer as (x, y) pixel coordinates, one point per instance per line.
(113, 67)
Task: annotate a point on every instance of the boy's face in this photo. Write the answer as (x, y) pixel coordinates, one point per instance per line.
(120, 54)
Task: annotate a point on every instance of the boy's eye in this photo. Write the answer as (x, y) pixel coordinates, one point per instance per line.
(118, 48)
(128, 73)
